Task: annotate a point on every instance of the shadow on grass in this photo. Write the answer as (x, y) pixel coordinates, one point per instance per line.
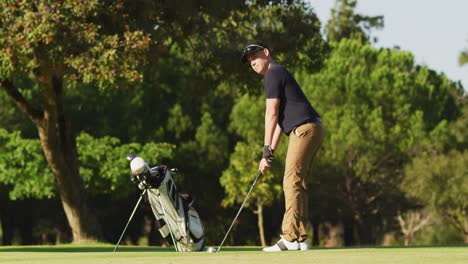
(106, 249)
(392, 247)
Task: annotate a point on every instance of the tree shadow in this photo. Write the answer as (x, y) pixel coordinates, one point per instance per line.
(83, 249)
(108, 249)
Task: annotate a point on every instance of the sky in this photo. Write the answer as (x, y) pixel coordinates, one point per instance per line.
(435, 31)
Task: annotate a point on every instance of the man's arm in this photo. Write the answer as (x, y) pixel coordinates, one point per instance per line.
(276, 137)
(271, 137)
(271, 121)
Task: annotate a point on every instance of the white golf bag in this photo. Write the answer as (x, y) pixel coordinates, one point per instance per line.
(174, 213)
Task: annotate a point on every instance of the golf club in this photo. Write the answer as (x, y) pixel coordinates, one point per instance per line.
(130, 219)
(238, 213)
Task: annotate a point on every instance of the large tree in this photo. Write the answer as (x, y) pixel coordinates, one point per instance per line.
(59, 59)
(443, 170)
(441, 182)
(47, 47)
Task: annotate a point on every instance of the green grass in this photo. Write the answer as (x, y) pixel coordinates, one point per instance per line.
(71, 254)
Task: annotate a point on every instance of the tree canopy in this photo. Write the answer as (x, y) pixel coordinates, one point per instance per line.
(381, 109)
(346, 23)
(100, 79)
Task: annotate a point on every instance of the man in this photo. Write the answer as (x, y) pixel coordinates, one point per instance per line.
(287, 111)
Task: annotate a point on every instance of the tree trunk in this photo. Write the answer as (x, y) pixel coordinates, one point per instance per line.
(364, 229)
(59, 147)
(331, 235)
(407, 240)
(315, 230)
(25, 221)
(7, 214)
(261, 230)
(412, 223)
(348, 232)
(7, 229)
(152, 232)
(465, 226)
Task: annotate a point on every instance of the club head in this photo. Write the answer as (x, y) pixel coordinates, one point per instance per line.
(211, 250)
(131, 156)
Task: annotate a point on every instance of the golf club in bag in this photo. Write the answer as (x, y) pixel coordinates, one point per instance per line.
(173, 211)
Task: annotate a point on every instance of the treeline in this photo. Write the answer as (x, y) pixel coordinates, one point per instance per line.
(84, 84)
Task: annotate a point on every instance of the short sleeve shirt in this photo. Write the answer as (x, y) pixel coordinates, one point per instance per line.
(294, 109)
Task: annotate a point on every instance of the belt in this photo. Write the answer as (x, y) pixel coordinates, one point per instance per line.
(312, 120)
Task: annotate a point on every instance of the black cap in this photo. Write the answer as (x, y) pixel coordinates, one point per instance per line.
(252, 47)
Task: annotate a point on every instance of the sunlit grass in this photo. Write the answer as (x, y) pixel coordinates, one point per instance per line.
(102, 253)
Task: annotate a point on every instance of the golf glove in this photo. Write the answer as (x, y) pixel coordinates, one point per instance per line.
(268, 153)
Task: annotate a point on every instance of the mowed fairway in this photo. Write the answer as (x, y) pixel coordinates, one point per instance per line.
(70, 254)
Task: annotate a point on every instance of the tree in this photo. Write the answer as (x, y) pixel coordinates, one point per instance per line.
(441, 181)
(411, 222)
(103, 167)
(87, 47)
(246, 122)
(458, 135)
(345, 23)
(53, 46)
(210, 145)
(381, 110)
(211, 52)
(24, 167)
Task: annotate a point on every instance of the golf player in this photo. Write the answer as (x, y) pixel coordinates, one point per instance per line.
(287, 111)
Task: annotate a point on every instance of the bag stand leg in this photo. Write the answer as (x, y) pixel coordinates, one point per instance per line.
(130, 219)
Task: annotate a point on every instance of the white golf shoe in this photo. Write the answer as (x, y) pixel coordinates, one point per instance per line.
(304, 245)
(283, 245)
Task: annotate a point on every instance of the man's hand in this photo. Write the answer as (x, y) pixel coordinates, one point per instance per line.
(263, 166)
(267, 157)
(268, 153)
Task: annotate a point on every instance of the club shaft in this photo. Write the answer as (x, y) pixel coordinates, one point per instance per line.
(130, 219)
(240, 209)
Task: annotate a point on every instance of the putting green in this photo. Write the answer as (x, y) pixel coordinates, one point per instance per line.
(71, 254)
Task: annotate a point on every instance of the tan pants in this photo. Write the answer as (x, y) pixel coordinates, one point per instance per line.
(304, 142)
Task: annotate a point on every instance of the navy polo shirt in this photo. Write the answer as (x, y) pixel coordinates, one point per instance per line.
(294, 108)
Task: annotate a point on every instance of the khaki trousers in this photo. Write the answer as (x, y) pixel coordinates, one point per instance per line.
(304, 142)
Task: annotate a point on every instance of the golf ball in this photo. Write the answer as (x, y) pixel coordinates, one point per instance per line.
(211, 249)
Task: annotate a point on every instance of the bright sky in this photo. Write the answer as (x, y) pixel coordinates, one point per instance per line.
(435, 31)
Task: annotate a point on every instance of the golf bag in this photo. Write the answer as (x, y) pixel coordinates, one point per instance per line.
(174, 213)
